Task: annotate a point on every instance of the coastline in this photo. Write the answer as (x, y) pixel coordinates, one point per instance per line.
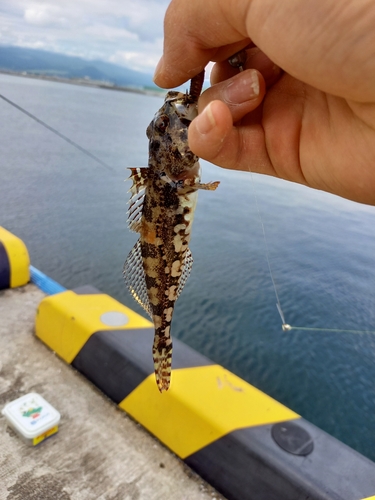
(86, 82)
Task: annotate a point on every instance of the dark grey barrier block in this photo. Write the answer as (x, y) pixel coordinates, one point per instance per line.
(117, 361)
(248, 464)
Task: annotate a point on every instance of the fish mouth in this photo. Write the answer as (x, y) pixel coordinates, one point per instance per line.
(186, 111)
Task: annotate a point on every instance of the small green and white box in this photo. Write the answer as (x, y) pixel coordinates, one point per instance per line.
(32, 417)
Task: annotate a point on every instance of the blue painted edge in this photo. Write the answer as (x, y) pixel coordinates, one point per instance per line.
(44, 282)
(4, 268)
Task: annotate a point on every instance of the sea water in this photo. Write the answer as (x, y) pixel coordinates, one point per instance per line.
(71, 213)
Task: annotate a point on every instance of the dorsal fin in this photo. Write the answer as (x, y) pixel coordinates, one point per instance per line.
(139, 177)
(135, 211)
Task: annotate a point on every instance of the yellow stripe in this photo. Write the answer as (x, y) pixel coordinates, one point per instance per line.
(66, 321)
(369, 498)
(202, 405)
(44, 436)
(18, 256)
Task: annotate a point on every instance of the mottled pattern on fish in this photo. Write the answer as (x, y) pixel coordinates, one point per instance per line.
(162, 206)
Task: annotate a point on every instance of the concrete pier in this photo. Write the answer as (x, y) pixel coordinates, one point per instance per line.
(99, 452)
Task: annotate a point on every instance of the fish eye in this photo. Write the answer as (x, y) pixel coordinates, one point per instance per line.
(189, 155)
(161, 123)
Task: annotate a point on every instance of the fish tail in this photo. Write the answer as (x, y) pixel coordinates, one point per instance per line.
(162, 355)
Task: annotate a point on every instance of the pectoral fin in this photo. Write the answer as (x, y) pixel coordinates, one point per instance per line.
(209, 186)
(188, 264)
(134, 277)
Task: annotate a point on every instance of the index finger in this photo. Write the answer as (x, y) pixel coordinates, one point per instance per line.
(197, 32)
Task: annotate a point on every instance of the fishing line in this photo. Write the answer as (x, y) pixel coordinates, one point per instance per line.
(59, 134)
(328, 329)
(284, 325)
(238, 60)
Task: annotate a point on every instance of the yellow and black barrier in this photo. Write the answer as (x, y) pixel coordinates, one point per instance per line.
(246, 444)
(14, 261)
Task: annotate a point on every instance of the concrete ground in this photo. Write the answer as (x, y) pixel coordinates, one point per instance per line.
(99, 452)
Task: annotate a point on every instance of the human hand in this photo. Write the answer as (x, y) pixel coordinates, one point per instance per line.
(313, 122)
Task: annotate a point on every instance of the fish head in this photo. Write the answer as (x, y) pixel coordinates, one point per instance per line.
(168, 136)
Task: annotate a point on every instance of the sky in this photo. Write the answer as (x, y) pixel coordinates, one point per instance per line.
(125, 32)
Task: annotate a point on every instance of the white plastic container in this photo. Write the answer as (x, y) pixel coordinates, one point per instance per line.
(32, 417)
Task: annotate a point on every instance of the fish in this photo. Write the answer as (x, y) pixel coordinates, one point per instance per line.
(162, 206)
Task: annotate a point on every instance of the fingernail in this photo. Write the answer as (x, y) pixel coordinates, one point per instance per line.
(158, 69)
(243, 89)
(205, 122)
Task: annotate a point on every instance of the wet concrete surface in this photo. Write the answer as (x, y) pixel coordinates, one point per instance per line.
(99, 452)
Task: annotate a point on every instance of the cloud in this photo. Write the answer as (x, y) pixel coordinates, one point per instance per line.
(104, 32)
(138, 60)
(44, 15)
(147, 20)
(126, 32)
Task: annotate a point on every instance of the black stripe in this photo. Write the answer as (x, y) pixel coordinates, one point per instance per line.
(248, 464)
(117, 361)
(4, 268)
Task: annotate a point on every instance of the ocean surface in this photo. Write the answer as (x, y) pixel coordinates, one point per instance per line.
(71, 213)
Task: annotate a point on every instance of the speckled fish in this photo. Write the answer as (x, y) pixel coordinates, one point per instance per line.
(162, 205)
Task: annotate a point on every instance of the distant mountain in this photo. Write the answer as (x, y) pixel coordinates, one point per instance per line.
(49, 63)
